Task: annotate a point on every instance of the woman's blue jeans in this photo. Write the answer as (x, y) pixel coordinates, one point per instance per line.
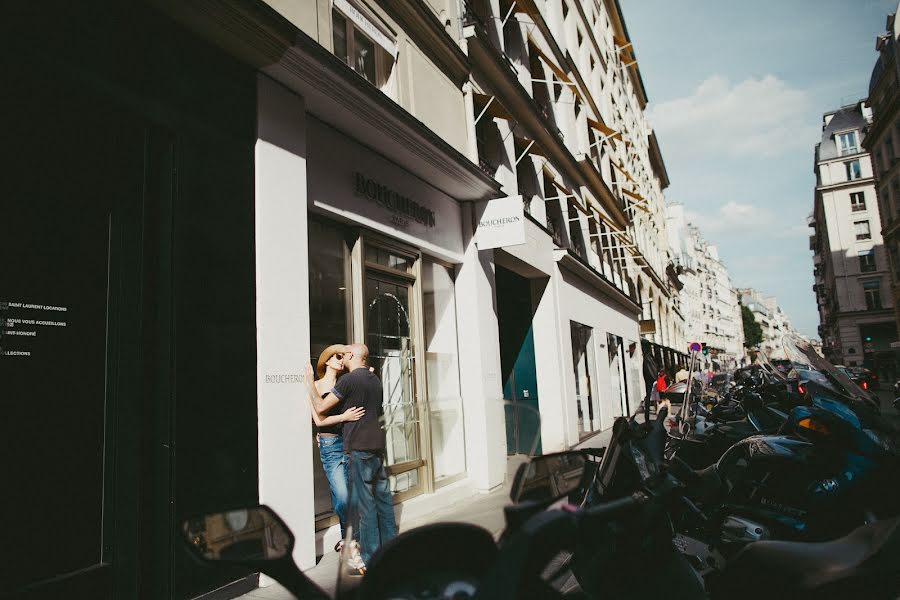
(334, 461)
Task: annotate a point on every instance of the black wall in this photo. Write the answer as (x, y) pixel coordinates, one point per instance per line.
(128, 195)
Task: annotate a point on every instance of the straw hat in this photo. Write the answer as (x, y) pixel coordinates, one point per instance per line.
(326, 354)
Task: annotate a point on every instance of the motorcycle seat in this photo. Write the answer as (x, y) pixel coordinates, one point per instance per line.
(795, 568)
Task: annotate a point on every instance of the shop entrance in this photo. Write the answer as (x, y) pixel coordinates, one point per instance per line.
(517, 360)
(390, 330)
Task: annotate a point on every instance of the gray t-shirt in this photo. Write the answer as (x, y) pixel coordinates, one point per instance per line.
(362, 388)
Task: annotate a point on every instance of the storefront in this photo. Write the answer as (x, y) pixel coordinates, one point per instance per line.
(604, 365)
(383, 246)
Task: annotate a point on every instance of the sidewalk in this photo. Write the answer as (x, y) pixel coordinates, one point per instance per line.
(484, 510)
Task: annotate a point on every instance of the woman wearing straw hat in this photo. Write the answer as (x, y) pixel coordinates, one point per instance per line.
(331, 446)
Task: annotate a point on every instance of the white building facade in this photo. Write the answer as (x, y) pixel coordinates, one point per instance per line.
(849, 256)
(710, 304)
(771, 318)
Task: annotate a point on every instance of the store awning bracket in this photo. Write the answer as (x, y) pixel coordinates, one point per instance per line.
(484, 110)
(521, 156)
(512, 7)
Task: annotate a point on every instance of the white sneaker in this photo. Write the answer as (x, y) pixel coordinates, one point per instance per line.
(354, 559)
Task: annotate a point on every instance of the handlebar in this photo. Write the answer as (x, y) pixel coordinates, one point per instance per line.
(606, 510)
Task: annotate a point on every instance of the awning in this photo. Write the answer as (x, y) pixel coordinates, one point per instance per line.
(626, 50)
(639, 198)
(622, 170)
(621, 43)
(600, 126)
(529, 8)
(523, 143)
(494, 108)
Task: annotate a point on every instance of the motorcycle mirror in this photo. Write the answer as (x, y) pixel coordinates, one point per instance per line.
(548, 478)
(246, 535)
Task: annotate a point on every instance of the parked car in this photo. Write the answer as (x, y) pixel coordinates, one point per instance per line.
(861, 376)
(783, 365)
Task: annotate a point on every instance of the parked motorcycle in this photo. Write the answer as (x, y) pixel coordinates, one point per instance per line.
(827, 470)
(618, 543)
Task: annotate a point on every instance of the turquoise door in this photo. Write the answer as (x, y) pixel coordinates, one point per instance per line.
(519, 370)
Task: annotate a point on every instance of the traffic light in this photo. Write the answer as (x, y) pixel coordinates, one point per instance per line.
(705, 349)
(868, 338)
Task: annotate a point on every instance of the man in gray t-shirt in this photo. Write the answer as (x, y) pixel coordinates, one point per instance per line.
(371, 507)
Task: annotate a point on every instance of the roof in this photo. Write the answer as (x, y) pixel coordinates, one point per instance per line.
(843, 119)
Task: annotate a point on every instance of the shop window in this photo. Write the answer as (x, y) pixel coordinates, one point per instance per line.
(617, 375)
(360, 51)
(391, 260)
(329, 323)
(442, 373)
(584, 365)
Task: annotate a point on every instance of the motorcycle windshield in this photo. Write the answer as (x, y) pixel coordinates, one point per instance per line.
(763, 361)
(387, 462)
(844, 398)
(805, 354)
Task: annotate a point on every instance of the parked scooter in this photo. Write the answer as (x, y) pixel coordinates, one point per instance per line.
(829, 469)
(616, 543)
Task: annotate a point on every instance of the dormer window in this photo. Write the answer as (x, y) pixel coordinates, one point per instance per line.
(847, 143)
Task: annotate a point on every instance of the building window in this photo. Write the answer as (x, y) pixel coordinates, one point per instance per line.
(857, 201)
(583, 362)
(360, 52)
(847, 143)
(889, 151)
(442, 372)
(862, 230)
(867, 261)
(872, 291)
(895, 260)
(853, 170)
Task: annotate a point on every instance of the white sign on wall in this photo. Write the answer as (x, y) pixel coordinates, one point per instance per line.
(501, 224)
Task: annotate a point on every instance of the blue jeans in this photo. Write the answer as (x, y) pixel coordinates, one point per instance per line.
(371, 504)
(331, 451)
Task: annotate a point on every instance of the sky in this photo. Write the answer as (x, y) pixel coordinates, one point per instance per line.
(736, 93)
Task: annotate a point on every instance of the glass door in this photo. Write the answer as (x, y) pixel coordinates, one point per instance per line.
(390, 335)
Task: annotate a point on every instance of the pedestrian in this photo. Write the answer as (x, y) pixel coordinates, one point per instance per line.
(329, 426)
(371, 506)
(659, 388)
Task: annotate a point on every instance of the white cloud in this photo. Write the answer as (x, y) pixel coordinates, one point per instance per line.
(732, 216)
(756, 117)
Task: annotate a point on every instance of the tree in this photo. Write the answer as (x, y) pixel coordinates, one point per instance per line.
(752, 331)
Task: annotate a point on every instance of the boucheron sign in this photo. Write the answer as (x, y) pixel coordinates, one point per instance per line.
(400, 205)
(501, 224)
